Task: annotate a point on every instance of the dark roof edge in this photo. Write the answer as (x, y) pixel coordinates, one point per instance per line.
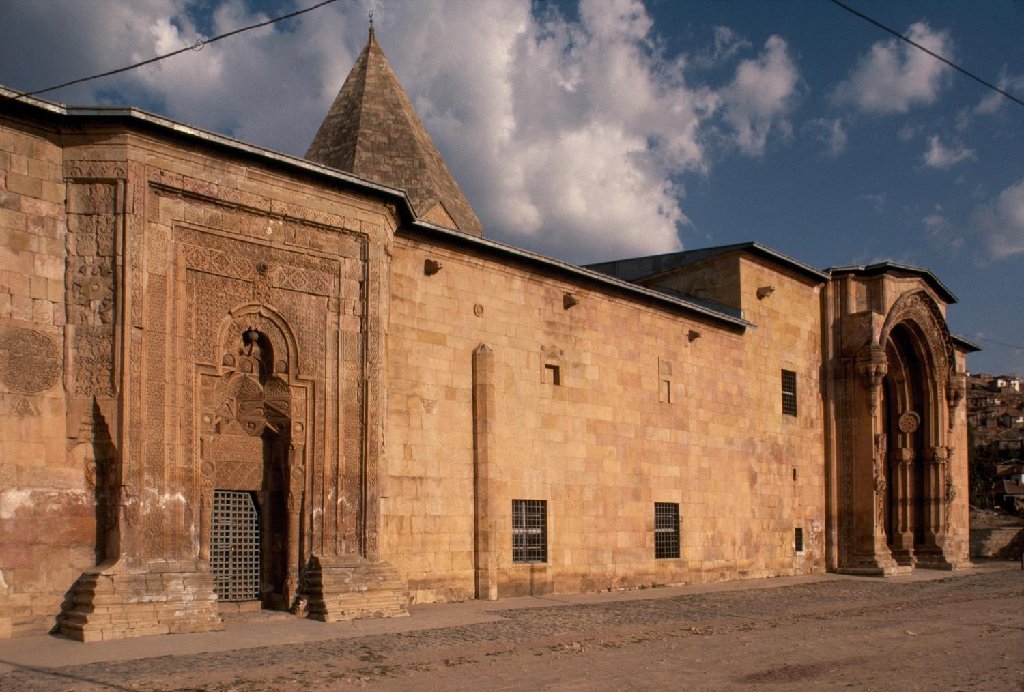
(577, 272)
(883, 267)
(781, 258)
(191, 132)
(166, 124)
(964, 343)
(702, 254)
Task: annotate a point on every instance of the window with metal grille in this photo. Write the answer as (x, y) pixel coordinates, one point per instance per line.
(798, 540)
(666, 530)
(529, 531)
(235, 546)
(788, 392)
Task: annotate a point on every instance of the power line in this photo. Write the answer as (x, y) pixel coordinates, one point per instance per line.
(1000, 343)
(917, 45)
(198, 45)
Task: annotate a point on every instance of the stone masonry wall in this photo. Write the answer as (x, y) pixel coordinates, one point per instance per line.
(46, 511)
(651, 407)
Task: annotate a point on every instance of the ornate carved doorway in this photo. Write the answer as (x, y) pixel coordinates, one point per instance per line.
(253, 467)
(905, 407)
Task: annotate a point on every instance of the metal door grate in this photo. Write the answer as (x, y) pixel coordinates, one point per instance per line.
(235, 546)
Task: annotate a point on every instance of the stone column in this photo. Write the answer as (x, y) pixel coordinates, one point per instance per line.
(932, 551)
(483, 471)
(870, 552)
(296, 493)
(902, 508)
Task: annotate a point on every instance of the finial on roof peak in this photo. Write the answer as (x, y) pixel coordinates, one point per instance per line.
(373, 34)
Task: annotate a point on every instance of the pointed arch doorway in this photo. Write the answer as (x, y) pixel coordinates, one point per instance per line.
(253, 467)
(907, 417)
(908, 374)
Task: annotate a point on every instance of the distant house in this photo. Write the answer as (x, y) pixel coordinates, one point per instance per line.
(1011, 420)
(1008, 487)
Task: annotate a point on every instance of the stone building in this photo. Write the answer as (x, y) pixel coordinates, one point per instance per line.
(231, 378)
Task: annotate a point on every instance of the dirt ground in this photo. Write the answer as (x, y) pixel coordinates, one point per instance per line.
(950, 633)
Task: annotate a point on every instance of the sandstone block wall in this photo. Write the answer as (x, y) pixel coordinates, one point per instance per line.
(46, 512)
(651, 407)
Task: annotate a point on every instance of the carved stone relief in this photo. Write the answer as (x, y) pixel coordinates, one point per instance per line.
(30, 362)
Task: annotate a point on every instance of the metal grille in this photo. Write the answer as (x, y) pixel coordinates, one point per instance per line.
(529, 531)
(666, 529)
(235, 546)
(789, 392)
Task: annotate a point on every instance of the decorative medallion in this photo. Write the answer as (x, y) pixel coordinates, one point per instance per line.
(909, 422)
(29, 361)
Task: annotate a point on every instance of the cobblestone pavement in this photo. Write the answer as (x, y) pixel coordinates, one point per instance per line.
(957, 632)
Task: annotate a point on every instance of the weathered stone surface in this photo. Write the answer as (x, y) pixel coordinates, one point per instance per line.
(184, 325)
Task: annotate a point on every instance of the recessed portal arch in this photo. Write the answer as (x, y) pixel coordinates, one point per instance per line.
(253, 446)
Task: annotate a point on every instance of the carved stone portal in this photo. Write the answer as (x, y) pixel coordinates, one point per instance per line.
(251, 444)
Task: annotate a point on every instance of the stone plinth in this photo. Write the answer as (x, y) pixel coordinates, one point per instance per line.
(162, 598)
(351, 587)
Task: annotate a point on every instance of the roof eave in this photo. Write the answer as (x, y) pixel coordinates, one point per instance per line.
(883, 267)
(578, 273)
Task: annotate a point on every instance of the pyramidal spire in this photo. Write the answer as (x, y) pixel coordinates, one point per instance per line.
(372, 131)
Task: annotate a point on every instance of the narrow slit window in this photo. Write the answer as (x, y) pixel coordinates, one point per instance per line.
(798, 540)
(666, 530)
(552, 374)
(529, 531)
(788, 393)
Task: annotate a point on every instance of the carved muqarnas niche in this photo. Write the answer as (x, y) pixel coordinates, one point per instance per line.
(29, 361)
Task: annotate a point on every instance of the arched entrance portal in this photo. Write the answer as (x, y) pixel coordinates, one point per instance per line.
(253, 466)
(906, 415)
(910, 426)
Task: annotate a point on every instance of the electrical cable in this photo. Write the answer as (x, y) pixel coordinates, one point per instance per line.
(917, 45)
(198, 45)
(1000, 343)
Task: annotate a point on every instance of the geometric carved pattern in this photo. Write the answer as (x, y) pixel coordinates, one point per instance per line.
(29, 361)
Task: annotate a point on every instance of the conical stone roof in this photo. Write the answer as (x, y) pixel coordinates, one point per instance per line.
(373, 131)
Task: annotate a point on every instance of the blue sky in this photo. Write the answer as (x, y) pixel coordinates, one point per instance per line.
(619, 128)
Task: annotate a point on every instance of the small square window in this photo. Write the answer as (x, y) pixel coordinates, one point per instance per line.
(788, 393)
(798, 540)
(552, 374)
(666, 530)
(529, 531)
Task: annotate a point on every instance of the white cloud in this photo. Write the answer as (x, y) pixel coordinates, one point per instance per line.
(830, 132)
(569, 136)
(894, 76)
(941, 231)
(761, 96)
(995, 101)
(1000, 223)
(264, 86)
(938, 155)
(727, 44)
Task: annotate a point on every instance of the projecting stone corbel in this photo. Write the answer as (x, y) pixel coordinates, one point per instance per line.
(765, 291)
(872, 367)
(956, 390)
(569, 300)
(431, 266)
